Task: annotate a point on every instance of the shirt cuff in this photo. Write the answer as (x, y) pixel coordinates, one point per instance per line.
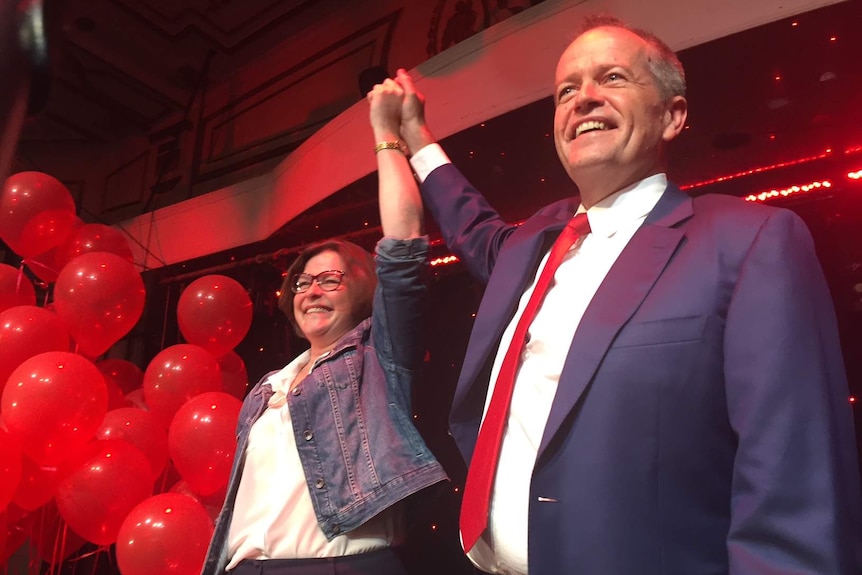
(390, 248)
(427, 160)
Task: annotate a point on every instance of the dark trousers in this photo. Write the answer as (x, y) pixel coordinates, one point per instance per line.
(380, 562)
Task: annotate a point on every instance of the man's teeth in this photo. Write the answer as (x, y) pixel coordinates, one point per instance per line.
(316, 310)
(587, 126)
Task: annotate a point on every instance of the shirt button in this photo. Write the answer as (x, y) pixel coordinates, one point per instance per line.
(320, 484)
(336, 528)
(308, 435)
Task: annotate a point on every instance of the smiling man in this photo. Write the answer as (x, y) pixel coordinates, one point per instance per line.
(658, 389)
(618, 101)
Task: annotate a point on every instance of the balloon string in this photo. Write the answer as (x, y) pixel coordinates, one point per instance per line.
(29, 263)
(35, 562)
(94, 554)
(20, 278)
(96, 560)
(61, 552)
(164, 479)
(165, 320)
(54, 551)
(88, 554)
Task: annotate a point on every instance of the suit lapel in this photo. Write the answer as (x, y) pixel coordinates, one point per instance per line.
(523, 252)
(628, 282)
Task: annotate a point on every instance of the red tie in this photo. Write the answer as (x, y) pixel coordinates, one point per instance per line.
(483, 466)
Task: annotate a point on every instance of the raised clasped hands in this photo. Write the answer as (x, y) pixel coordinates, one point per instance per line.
(398, 111)
(386, 101)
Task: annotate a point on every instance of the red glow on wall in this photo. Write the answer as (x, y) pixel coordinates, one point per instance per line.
(771, 194)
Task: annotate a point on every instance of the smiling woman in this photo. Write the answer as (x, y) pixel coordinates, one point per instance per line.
(321, 306)
(340, 409)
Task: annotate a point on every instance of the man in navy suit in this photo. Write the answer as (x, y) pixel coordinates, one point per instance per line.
(680, 406)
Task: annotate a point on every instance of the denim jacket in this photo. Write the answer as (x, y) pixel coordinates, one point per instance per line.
(352, 415)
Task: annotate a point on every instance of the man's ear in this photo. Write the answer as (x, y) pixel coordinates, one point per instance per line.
(675, 115)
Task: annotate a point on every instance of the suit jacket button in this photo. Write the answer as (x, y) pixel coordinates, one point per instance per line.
(296, 390)
(320, 484)
(308, 435)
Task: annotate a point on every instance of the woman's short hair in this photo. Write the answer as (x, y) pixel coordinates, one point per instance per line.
(360, 274)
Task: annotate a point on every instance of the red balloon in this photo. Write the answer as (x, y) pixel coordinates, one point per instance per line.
(234, 378)
(166, 534)
(100, 296)
(10, 469)
(170, 476)
(141, 429)
(47, 265)
(26, 331)
(37, 212)
(53, 403)
(125, 374)
(135, 398)
(177, 374)
(212, 503)
(15, 288)
(100, 485)
(14, 535)
(214, 312)
(37, 485)
(116, 398)
(94, 238)
(202, 440)
(4, 534)
(15, 514)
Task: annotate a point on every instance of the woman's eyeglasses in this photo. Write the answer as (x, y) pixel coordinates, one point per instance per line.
(328, 281)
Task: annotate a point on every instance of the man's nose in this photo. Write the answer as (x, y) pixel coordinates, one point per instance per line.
(589, 96)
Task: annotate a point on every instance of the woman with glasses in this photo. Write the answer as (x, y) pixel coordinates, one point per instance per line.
(326, 445)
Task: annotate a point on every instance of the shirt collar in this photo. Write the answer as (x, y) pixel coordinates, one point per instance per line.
(280, 381)
(625, 206)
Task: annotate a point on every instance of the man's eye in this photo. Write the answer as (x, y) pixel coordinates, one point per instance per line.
(613, 77)
(565, 92)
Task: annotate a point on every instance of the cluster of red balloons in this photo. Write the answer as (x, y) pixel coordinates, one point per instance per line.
(84, 444)
(37, 212)
(98, 292)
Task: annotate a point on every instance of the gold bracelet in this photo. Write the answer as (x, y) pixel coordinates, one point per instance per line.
(391, 145)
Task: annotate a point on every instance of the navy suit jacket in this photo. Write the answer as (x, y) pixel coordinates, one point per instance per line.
(701, 423)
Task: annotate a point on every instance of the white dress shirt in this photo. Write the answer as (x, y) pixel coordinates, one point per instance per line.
(613, 222)
(273, 515)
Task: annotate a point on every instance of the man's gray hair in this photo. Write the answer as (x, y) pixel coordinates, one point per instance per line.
(665, 68)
